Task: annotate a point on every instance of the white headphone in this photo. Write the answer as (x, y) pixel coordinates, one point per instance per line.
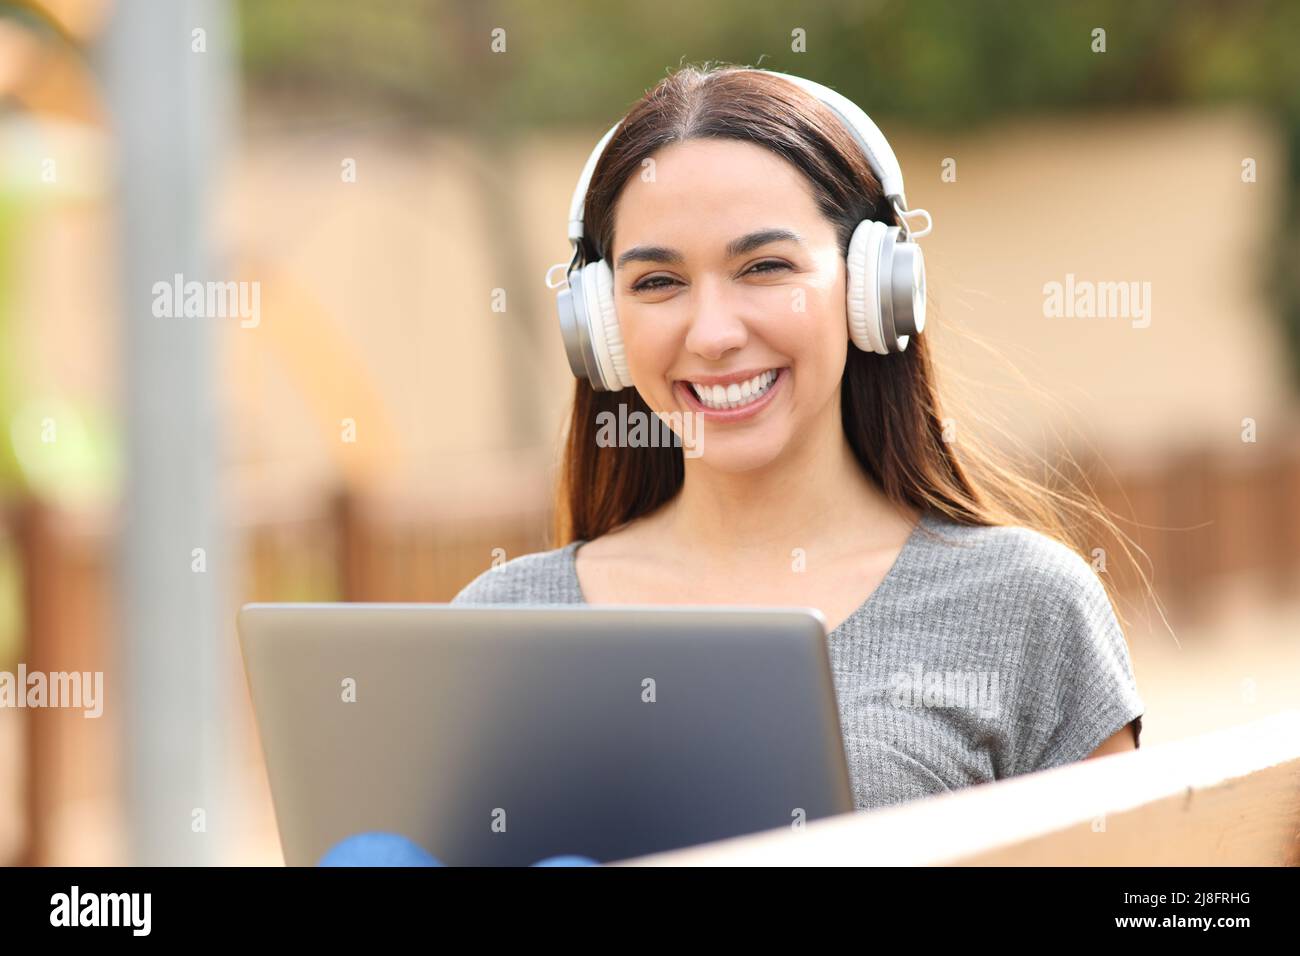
(886, 274)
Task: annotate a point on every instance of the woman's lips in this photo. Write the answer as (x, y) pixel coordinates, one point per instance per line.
(729, 415)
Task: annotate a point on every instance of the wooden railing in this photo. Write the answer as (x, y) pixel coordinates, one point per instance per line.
(1229, 798)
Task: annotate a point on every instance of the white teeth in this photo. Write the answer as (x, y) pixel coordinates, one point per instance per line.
(736, 394)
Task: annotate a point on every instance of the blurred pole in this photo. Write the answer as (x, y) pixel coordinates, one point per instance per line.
(496, 182)
(169, 92)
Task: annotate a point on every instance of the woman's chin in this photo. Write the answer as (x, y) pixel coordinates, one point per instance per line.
(736, 455)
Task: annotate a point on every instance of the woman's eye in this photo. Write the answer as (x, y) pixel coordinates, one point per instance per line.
(648, 285)
(768, 262)
(663, 282)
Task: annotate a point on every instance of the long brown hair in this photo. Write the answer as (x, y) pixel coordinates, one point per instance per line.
(890, 405)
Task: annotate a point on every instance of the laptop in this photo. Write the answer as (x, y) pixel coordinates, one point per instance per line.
(500, 735)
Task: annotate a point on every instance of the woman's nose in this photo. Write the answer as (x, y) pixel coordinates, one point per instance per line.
(716, 326)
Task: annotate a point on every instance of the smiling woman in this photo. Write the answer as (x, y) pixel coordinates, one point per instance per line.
(744, 251)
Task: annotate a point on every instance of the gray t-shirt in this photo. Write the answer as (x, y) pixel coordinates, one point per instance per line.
(984, 653)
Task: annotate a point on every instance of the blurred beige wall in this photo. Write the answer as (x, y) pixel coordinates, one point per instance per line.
(376, 295)
(1155, 198)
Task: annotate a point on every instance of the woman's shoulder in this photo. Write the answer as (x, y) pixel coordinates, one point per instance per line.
(542, 577)
(1012, 570)
(1007, 551)
(1039, 610)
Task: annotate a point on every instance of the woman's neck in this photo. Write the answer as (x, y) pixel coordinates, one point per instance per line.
(815, 497)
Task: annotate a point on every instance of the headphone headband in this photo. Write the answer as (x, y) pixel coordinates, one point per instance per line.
(879, 154)
(885, 291)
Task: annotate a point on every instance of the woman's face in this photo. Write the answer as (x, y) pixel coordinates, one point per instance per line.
(704, 296)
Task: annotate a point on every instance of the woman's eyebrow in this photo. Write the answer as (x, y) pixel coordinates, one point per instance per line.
(737, 247)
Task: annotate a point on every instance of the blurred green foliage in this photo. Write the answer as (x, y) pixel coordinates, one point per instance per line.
(937, 63)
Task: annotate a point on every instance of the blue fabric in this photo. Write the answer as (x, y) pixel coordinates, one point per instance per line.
(377, 848)
(571, 860)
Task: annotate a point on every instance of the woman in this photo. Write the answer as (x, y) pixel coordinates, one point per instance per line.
(738, 219)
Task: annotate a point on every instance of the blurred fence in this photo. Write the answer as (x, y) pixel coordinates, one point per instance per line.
(332, 548)
(1204, 517)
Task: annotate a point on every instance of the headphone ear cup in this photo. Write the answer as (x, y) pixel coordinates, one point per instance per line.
(606, 339)
(902, 290)
(863, 286)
